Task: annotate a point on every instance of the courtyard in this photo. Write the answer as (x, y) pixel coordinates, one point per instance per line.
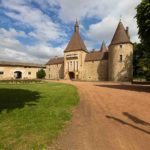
(110, 116)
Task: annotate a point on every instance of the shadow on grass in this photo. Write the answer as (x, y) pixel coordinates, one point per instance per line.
(17, 98)
(128, 124)
(128, 87)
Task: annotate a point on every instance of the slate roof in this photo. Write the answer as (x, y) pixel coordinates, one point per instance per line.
(120, 35)
(20, 64)
(103, 47)
(76, 43)
(56, 60)
(96, 56)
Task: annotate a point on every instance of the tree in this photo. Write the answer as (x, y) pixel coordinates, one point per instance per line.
(138, 52)
(143, 21)
(41, 74)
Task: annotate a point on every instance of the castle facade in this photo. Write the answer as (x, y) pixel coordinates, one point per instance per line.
(107, 64)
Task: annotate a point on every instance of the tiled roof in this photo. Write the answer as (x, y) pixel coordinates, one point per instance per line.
(56, 60)
(76, 43)
(96, 56)
(120, 35)
(20, 64)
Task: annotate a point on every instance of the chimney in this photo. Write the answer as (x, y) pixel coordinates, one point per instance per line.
(127, 31)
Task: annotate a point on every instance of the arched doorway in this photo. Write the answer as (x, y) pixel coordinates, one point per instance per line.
(71, 75)
(18, 74)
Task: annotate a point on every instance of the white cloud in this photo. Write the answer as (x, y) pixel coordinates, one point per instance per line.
(11, 33)
(108, 12)
(44, 28)
(85, 8)
(13, 49)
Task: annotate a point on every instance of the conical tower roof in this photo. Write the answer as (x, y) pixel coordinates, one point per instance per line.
(120, 35)
(76, 43)
(103, 47)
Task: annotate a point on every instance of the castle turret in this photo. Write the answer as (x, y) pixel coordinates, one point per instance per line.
(103, 47)
(120, 55)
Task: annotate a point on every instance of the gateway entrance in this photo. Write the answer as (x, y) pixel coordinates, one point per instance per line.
(71, 75)
(18, 74)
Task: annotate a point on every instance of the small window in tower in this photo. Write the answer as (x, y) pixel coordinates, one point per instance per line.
(120, 46)
(120, 58)
(1, 72)
(29, 73)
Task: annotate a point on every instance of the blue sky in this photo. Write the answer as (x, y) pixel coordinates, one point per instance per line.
(36, 30)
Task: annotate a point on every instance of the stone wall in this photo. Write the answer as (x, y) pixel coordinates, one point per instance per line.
(95, 71)
(120, 70)
(55, 71)
(74, 64)
(7, 72)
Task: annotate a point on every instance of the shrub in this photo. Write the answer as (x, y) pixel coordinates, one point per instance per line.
(41, 74)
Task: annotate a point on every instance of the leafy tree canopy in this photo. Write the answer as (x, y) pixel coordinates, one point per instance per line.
(141, 60)
(143, 21)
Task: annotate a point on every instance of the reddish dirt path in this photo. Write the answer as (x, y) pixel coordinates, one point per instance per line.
(110, 116)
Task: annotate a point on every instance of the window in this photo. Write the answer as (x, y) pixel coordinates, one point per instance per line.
(77, 65)
(1, 72)
(120, 46)
(120, 58)
(68, 66)
(74, 65)
(29, 73)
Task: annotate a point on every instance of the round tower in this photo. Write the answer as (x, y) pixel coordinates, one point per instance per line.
(120, 55)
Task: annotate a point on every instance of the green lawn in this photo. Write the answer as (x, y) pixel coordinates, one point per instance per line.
(32, 115)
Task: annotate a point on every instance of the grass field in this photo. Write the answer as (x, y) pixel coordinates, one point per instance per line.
(32, 115)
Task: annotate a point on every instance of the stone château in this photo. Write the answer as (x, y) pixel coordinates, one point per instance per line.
(107, 64)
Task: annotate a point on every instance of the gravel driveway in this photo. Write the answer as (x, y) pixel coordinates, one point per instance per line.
(110, 116)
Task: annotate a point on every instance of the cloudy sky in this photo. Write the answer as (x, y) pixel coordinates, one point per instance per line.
(36, 30)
